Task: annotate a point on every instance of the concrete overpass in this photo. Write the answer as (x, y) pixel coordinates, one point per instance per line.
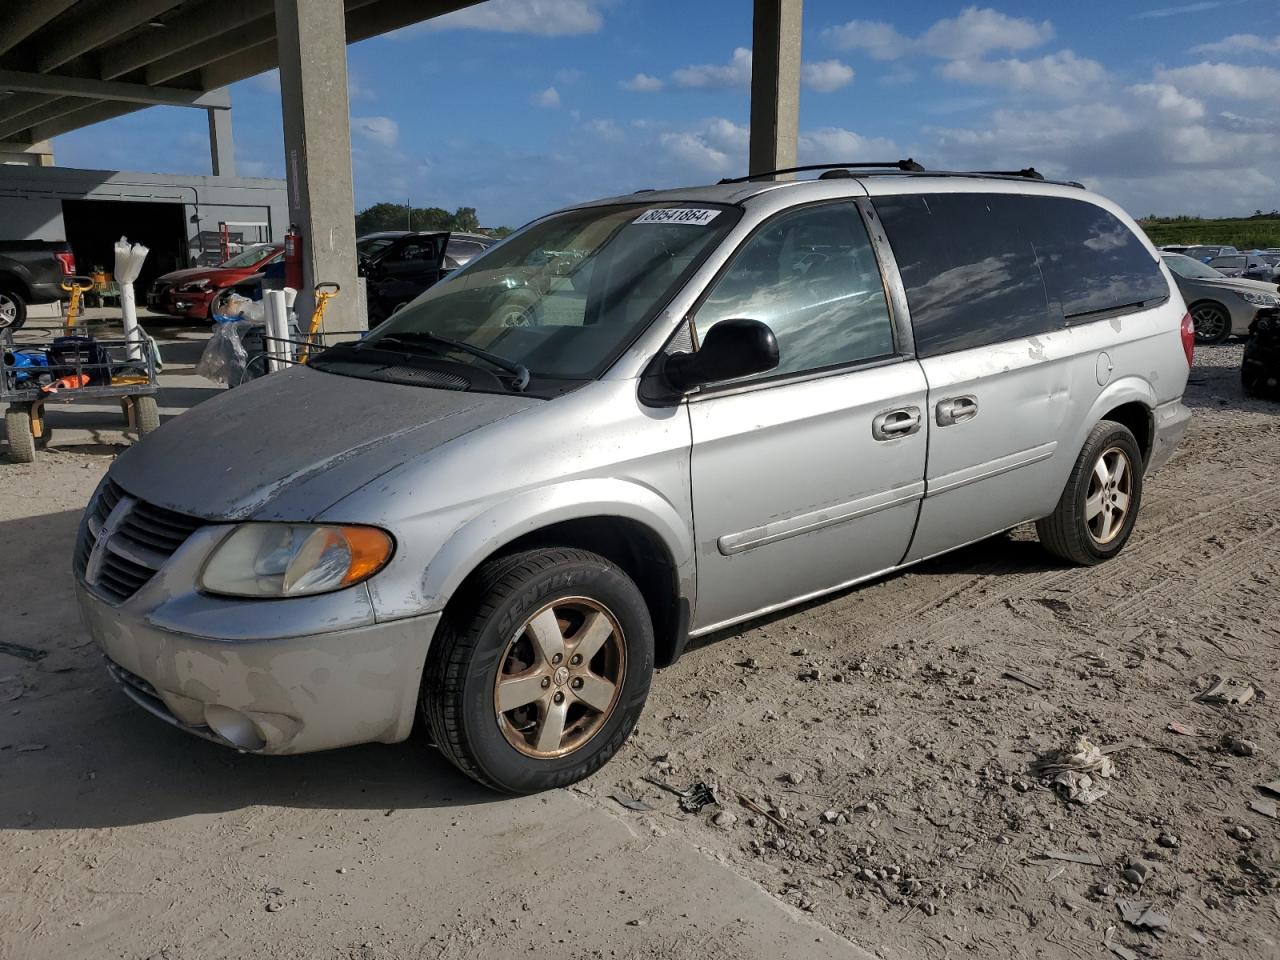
(67, 64)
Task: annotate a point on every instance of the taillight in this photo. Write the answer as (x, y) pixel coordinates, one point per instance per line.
(1188, 338)
(68, 261)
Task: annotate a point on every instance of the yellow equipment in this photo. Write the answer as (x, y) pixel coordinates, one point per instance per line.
(77, 287)
(324, 293)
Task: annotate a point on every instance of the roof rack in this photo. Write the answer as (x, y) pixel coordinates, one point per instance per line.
(1028, 173)
(905, 166)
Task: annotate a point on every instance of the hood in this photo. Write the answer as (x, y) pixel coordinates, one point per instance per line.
(1237, 283)
(289, 445)
(212, 274)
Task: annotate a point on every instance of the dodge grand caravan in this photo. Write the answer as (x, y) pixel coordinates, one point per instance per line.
(634, 422)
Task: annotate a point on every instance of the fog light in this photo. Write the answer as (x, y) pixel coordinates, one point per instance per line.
(233, 726)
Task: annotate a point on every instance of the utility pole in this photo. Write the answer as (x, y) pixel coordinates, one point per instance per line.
(408, 212)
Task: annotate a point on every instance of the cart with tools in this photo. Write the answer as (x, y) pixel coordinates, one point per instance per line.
(73, 369)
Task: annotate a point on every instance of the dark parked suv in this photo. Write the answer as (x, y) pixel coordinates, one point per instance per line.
(31, 271)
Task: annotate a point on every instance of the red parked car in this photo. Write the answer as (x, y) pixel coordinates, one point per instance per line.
(187, 293)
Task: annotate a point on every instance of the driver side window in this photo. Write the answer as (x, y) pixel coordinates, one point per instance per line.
(812, 277)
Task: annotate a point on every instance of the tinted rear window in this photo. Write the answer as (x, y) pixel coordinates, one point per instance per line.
(969, 270)
(1091, 261)
(984, 268)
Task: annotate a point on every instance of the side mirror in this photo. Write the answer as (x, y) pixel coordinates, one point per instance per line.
(731, 349)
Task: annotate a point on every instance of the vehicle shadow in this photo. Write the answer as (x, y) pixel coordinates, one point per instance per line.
(75, 752)
(1215, 382)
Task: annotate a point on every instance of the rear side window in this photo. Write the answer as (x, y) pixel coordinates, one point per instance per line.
(1092, 263)
(969, 269)
(984, 268)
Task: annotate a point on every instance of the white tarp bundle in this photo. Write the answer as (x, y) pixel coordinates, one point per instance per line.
(129, 258)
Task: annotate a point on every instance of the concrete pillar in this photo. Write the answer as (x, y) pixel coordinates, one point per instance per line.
(222, 147)
(775, 84)
(312, 43)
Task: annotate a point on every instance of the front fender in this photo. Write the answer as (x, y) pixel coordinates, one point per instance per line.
(533, 510)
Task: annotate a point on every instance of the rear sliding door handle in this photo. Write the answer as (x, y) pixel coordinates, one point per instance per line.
(893, 424)
(956, 410)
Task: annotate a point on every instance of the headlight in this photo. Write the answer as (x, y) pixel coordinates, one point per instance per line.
(1259, 299)
(294, 560)
(194, 286)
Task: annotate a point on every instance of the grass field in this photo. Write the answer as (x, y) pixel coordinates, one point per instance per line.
(1245, 233)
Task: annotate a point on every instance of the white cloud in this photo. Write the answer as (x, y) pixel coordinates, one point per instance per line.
(977, 32)
(716, 146)
(898, 76)
(380, 130)
(548, 98)
(736, 73)
(826, 75)
(567, 76)
(974, 33)
(1225, 80)
(1059, 76)
(1201, 7)
(1241, 43)
(642, 83)
(545, 18)
(606, 130)
(837, 145)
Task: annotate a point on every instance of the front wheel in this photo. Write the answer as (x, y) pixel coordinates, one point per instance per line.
(13, 310)
(539, 670)
(1098, 508)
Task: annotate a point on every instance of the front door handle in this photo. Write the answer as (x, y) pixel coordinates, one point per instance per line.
(955, 410)
(893, 424)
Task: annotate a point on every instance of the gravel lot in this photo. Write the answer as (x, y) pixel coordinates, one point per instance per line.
(877, 729)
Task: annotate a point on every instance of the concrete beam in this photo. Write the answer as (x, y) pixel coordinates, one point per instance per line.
(14, 105)
(112, 90)
(775, 84)
(312, 48)
(222, 148)
(54, 108)
(84, 116)
(19, 20)
(107, 24)
(183, 33)
(233, 45)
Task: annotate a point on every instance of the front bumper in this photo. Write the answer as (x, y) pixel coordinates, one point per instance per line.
(1170, 420)
(171, 303)
(273, 696)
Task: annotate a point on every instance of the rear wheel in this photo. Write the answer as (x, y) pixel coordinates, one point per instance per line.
(17, 425)
(146, 414)
(13, 310)
(1212, 323)
(1098, 508)
(539, 670)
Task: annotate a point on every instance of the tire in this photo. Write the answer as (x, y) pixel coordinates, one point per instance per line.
(146, 414)
(567, 597)
(13, 309)
(1212, 323)
(1074, 531)
(1251, 380)
(17, 425)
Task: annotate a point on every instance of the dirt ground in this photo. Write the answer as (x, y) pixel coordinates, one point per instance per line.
(878, 730)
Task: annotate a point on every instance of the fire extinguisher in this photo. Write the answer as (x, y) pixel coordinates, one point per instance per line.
(293, 257)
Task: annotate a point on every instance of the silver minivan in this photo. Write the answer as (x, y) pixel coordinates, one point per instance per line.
(633, 422)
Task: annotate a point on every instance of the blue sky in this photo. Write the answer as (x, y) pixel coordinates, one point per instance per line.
(516, 107)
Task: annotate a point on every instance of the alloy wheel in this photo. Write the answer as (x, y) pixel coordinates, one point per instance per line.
(559, 678)
(8, 311)
(1211, 323)
(1106, 505)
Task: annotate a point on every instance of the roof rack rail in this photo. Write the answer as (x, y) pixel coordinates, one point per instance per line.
(1028, 173)
(906, 166)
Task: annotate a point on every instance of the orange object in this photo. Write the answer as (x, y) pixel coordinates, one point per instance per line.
(71, 382)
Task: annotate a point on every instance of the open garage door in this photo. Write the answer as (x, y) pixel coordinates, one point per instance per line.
(93, 227)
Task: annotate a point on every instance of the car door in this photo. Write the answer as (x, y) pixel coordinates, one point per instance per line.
(809, 477)
(1014, 301)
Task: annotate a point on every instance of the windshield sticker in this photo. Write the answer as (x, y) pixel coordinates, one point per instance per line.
(698, 218)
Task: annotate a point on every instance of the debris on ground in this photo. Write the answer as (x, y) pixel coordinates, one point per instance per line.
(1228, 691)
(1076, 771)
(22, 652)
(1272, 788)
(693, 798)
(1243, 834)
(1239, 746)
(631, 803)
(1265, 807)
(1023, 678)
(1137, 872)
(1141, 914)
(1089, 859)
(1183, 729)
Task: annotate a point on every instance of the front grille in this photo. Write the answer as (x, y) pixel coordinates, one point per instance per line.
(125, 541)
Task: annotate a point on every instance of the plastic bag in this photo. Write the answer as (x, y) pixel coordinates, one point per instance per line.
(224, 357)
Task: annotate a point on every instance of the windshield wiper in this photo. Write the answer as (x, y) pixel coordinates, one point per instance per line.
(410, 338)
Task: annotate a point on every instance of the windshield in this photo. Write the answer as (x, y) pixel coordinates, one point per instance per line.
(1227, 263)
(567, 294)
(1202, 253)
(248, 257)
(368, 246)
(1190, 269)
